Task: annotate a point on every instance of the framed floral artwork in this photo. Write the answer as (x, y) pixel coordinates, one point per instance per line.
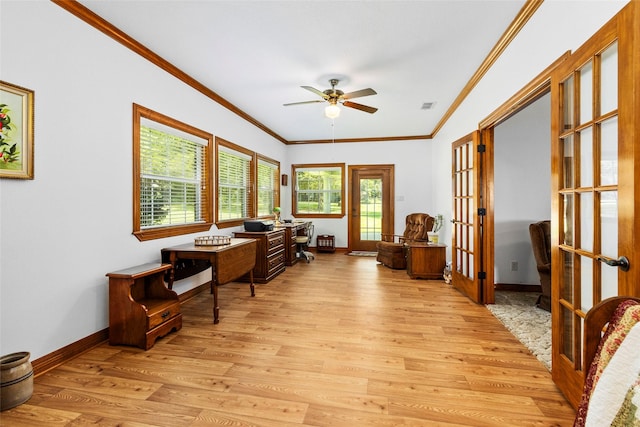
(16, 131)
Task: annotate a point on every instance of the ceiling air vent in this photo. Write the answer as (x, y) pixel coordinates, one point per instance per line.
(427, 105)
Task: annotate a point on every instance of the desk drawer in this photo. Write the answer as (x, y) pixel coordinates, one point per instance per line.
(159, 312)
(275, 262)
(275, 243)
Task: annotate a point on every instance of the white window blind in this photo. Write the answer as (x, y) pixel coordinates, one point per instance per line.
(267, 186)
(234, 178)
(172, 176)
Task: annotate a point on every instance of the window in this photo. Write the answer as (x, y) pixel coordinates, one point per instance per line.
(172, 189)
(268, 186)
(235, 198)
(318, 190)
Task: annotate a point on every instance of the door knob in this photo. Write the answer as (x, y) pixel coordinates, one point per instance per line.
(622, 262)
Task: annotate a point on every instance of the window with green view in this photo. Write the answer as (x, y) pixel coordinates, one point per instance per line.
(318, 190)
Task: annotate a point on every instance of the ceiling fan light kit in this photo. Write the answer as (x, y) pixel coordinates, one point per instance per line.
(332, 111)
(335, 96)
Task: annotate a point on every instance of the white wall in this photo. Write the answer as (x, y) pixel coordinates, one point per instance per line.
(543, 40)
(522, 189)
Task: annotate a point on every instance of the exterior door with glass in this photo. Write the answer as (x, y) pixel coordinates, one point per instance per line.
(371, 212)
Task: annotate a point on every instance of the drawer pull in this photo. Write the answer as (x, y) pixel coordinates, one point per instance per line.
(166, 314)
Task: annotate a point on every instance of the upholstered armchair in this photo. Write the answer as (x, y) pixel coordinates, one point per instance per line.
(540, 233)
(391, 247)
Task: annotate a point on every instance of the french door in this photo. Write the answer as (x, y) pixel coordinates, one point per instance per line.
(468, 216)
(595, 140)
(371, 206)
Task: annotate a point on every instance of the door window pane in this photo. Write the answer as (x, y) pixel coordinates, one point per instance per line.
(586, 93)
(567, 333)
(609, 223)
(567, 103)
(567, 144)
(586, 221)
(609, 79)
(566, 291)
(370, 209)
(586, 283)
(586, 158)
(568, 219)
(609, 152)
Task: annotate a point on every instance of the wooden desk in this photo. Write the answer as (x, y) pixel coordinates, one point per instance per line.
(228, 262)
(426, 261)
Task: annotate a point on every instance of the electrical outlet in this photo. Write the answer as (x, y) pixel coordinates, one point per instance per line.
(514, 265)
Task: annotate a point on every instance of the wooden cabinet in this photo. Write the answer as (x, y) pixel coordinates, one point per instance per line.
(270, 254)
(141, 308)
(426, 261)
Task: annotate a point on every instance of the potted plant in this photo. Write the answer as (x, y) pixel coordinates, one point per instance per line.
(276, 213)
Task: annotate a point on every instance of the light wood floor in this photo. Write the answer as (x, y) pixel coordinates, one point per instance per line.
(341, 341)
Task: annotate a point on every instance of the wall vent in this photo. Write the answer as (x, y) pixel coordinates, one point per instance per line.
(427, 105)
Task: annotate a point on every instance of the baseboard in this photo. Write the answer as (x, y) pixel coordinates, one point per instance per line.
(518, 287)
(58, 357)
(48, 362)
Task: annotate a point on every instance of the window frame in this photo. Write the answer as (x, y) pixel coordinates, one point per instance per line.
(206, 208)
(294, 190)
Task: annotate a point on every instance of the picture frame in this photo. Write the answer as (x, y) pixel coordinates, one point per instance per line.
(16, 131)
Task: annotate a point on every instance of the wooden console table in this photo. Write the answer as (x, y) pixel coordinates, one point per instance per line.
(426, 261)
(228, 262)
(141, 308)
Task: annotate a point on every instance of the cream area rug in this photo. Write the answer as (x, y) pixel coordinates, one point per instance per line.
(529, 324)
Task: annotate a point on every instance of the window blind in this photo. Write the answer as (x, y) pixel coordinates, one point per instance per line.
(234, 178)
(172, 176)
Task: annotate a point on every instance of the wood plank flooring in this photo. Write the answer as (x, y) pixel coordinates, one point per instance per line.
(342, 341)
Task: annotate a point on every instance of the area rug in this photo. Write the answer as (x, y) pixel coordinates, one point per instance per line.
(362, 253)
(529, 324)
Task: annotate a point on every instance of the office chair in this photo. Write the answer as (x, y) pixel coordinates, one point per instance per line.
(302, 243)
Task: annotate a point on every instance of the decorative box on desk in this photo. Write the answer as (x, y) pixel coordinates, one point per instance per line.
(426, 261)
(141, 308)
(325, 243)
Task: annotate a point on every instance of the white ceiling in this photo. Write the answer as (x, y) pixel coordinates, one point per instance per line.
(257, 54)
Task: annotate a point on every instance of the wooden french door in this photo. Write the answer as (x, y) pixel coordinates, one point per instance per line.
(371, 206)
(468, 215)
(595, 104)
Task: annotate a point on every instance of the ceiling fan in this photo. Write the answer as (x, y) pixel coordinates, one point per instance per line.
(335, 96)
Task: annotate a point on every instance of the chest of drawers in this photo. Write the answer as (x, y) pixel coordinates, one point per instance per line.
(270, 254)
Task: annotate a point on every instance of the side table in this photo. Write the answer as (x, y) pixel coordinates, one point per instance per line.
(425, 261)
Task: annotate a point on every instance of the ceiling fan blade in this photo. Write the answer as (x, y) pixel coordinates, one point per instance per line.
(359, 93)
(360, 107)
(316, 91)
(303, 102)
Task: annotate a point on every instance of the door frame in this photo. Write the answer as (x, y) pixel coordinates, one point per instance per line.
(388, 205)
(530, 93)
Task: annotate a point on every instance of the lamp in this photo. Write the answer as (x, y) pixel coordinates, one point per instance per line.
(332, 111)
